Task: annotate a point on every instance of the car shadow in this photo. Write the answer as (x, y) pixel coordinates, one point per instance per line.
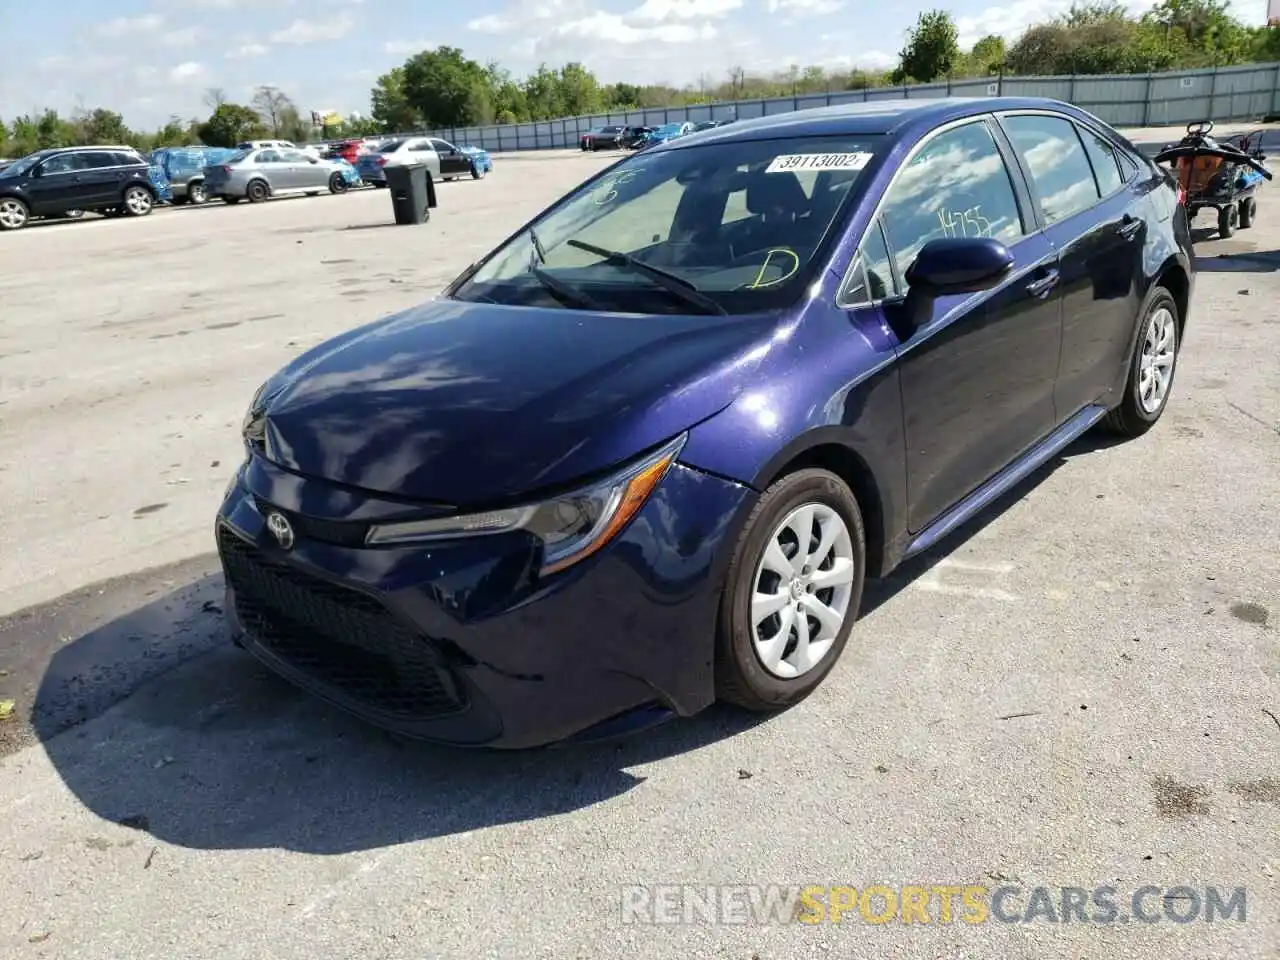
(1262, 261)
(154, 720)
(215, 752)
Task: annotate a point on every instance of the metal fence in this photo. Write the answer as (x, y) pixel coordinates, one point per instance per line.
(1129, 100)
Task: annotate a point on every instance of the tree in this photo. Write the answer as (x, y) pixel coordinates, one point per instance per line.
(444, 87)
(100, 126)
(391, 109)
(987, 55)
(229, 124)
(273, 106)
(932, 49)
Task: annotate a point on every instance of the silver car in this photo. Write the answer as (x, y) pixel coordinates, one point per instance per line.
(257, 174)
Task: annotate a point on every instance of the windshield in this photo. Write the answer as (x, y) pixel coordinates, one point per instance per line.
(19, 167)
(670, 128)
(237, 157)
(740, 224)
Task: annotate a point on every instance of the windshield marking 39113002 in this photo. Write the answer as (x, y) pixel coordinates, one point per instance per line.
(727, 227)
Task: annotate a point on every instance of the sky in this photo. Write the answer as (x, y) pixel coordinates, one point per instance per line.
(152, 59)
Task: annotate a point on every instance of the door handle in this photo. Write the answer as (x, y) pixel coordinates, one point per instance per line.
(1130, 227)
(1044, 286)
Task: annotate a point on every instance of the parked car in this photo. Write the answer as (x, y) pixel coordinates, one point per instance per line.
(185, 166)
(267, 144)
(668, 131)
(348, 150)
(607, 138)
(54, 182)
(444, 160)
(258, 174)
(709, 125)
(896, 314)
(349, 173)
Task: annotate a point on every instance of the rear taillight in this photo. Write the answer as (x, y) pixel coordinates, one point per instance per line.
(226, 170)
(382, 161)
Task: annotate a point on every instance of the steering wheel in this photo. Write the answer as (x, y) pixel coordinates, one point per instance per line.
(1199, 128)
(775, 265)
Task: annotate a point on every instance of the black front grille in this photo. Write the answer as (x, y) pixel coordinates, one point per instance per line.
(342, 533)
(344, 642)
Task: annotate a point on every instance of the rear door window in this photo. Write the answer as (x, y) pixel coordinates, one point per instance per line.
(1056, 161)
(268, 156)
(1106, 166)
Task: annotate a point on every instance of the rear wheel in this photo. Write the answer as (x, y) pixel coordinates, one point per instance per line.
(14, 214)
(1248, 206)
(196, 193)
(337, 183)
(257, 191)
(1150, 380)
(794, 590)
(138, 202)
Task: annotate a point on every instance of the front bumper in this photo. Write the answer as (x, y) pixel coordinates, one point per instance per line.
(460, 642)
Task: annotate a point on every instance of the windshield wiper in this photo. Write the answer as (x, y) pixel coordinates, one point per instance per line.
(566, 294)
(676, 285)
(538, 248)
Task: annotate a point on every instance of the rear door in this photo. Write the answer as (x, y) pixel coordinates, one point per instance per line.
(271, 164)
(977, 378)
(1094, 221)
(421, 151)
(453, 162)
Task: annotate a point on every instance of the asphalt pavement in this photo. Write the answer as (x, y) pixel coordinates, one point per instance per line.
(1080, 689)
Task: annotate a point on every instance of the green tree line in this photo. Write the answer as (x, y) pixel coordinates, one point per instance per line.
(444, 88)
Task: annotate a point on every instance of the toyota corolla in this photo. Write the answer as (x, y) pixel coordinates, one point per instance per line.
(644, 454)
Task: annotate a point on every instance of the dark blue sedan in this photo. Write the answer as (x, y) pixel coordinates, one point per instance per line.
(643, 455)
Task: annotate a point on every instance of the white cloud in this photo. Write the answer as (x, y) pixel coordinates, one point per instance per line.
(660, 11)
(406, 47)
(805, 8)
(187, 72)
(131, 26)
(247, 50)
(302, 32)
(182, 37)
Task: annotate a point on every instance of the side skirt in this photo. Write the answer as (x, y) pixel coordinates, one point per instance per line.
(1006, 479)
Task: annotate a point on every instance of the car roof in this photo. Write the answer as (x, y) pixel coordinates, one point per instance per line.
(892, 117)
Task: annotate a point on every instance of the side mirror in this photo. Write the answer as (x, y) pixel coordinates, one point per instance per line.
(949, 267)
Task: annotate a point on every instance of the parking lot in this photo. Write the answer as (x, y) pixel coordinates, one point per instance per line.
(1081, 689)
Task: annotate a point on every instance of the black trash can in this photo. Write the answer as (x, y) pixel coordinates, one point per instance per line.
(413, 193)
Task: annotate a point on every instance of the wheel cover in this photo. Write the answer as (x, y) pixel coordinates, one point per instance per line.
(12, 213)
(1155, 367)
(138, 200)
(801, 590)
(196, 192)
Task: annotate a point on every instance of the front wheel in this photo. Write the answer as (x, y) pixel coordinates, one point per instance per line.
(138, 202)
(793, 594)
(478, 172)
(196, 194)
(14, 214)
(1150, 380)
(337, 183)
(1228, 217)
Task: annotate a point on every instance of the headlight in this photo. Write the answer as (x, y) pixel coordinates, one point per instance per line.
(253, 427)
(571, 527)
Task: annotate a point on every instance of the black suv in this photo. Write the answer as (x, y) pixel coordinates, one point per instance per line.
(50, 183)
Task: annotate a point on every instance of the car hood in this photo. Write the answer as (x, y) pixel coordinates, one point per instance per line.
(471, 403)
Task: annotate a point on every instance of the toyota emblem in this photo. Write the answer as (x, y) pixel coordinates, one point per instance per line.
(281, 530)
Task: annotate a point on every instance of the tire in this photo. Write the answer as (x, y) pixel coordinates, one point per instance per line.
(196, 193)
(1135, 415)
(1248, 206)
(477, 172)
(14, 214)
(73, 214)
(138, 202)
(337, 184)
(1228, 217)
(257, 191)
(742, 648)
